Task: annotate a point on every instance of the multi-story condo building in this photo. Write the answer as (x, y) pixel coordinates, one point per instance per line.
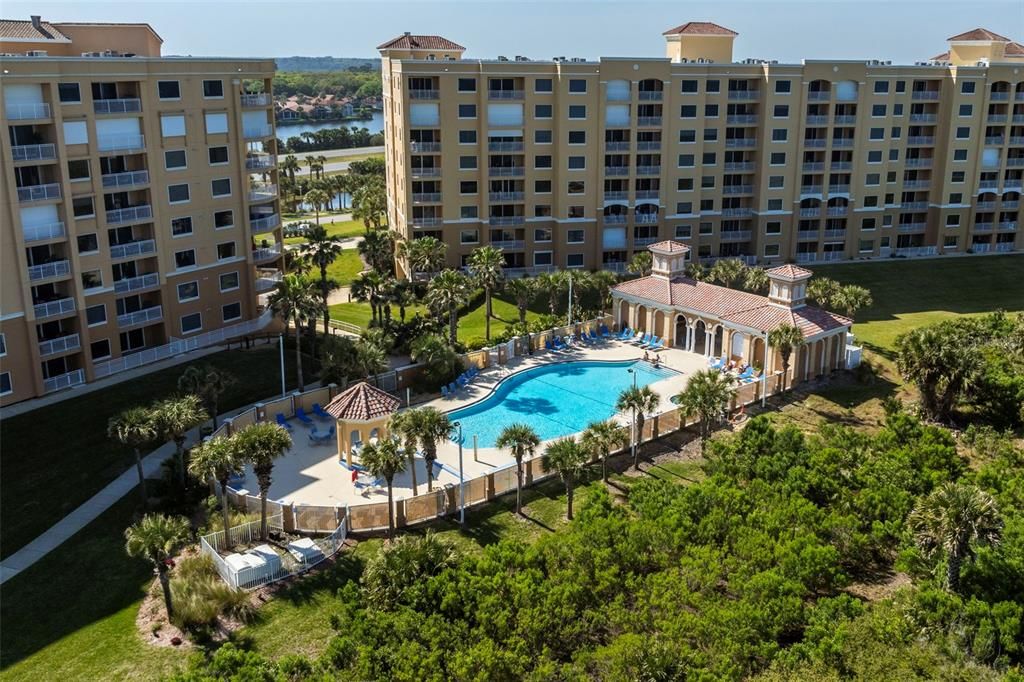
(572, 163)
(138, 201)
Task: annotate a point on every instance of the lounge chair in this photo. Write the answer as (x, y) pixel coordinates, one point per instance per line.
(625, 334)
(651, 342)
(319, 413)
(300, 414)
(657, 345)
(461, 380)
(558, 344)
(604, 331)
(444, 391)
(452, 388)
(281, 421)
(641, 340)
(548, 345)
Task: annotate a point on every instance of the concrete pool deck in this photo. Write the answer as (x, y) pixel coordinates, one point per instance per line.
(311, 474)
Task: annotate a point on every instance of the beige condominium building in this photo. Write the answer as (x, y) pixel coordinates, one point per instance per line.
(138, 202)
(576, 163)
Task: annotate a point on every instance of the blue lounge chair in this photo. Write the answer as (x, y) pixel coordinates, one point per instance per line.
(651, 342)
(461, 380)
(559, 345)
(747, 374)
(300, 414)
(641, 339)
(444, 391)
(638, 337)
(452, 388)
(281, 421)
(604, 331)
(625, 334)
(548, 345)
(319, 413)
(658, 344)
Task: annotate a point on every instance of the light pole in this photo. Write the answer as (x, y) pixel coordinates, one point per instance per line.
(632, 422)
(280, 344)
(764, 373)
(462, 486)
(569, 314)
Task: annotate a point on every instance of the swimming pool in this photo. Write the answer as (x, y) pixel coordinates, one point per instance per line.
(556, 400)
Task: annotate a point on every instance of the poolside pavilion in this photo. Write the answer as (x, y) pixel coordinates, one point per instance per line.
(716, 321)
(361, 412)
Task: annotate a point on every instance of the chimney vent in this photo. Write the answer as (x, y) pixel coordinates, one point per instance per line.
(407, 33)
(36, 21)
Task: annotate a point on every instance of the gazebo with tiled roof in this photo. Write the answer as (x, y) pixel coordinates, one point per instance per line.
(362, 413)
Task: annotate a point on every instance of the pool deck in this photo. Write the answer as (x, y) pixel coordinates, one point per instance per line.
(311, 474)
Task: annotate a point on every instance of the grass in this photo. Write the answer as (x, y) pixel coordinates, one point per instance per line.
(56, 457)
(346, 267)
(344, 229)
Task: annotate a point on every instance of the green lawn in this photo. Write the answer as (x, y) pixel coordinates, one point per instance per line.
(339, 228)
(346, 267)
(911, 293)
(56, 457)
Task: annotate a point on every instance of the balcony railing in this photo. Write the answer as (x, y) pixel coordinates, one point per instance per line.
(140, 283)
(648, 146)
(914, 205)
(615, 219)
(916, 184)
(117, 106)
(985, 205)
(508, 244)
(424, 94)
(810, 189)
(508, 146)
(806, 257)
(650, 95)
(262, 192)
(813, 167)
(616, 196)
(815, 142)
(505, 94)
(422, 147)
(921, 140)
(616, 170)
(1013, 184)
(923, 118)
(996, 118)
(34, 152)
(144, 316)
(999, 96)
(648, 121)
(27, 112)
(506, 220)
(267, 253)
(1008, 225)
(807, 235)
(911, 227)
(1011, 204)
(261, 99)
(645, 241)
(836, 211)
(817, 120)
(58, 268)
(1015, 161)
(743, 94)
(1004, 247)
(835, 233)
(426, 197)
(647, 194)
(1016, 140)
(842, 142)
(64, 381)
(645, 218)
(1017, 118)
(425, 221)
(426, 172)
(929, 95)
(1019, 95)
(61, 344)
(121, 143)
(264, 224)
(741, 119)
(737, 212)
(740, 142)
(38, 193)
(923, 162)
(126, 179)
(994, 139)
(841, 165)
(738, 189)
(64, 306)
(838, 189)
(132, 214)
(255, 132)
(819, 95)
(268, 281)
(845, 120)
(810, 213)
(503, 196)
(262, 162)
(506, 171)
(616, 146)
(614, 267)
(37, 233)
(735, 235)
(912, 251)
(988, 184)
(648, 170)
(739, 166)
(132, 249)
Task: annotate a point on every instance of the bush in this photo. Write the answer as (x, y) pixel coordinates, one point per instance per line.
(441, 364)
(200, 596)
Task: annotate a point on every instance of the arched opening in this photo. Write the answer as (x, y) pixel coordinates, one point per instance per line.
(641, 318)
(719, 341)
(660, 325)
(821, 89)
(374, 434)
(757, 352)
(650, 85)
(355, 438)
(624, 314)
(700, 337)
(682, 328)
(736, 349)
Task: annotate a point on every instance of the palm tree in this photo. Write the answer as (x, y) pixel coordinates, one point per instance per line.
(728, 271)
(851, 298)
(260, 444)
(447, 292)
(207, 382)
(940, 366)
(952, 520)
(370, 203)
(707, 395)
(756, 280)
(403, 425)
(134, 428)
(600, 439)
(568, 458)
(488, 267)
(553, 284)
(695, 270)
(641, 264)
(293, 300)
(311, 164)
(383, 460)
(156, 537)
(523, 290)
(425, 254)
(320, 161)
(218, 459)
(343, 185)
(785, 338)
(317, 198)
(322, 249)
(521, 439)
(432, 426)
(173, 418)
(641, 400)
(603, 281)
(290, 165)
(371, 360)
(378, 249)
(821, 290)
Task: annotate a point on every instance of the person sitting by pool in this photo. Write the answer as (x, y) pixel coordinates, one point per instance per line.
(646, 358)
(656, 362)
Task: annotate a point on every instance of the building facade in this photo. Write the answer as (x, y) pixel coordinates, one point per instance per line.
(571, 163)
(138, 197)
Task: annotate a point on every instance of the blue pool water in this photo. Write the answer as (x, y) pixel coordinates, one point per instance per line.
(556, 400)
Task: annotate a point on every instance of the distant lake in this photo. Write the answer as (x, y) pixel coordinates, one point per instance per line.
(374, 125)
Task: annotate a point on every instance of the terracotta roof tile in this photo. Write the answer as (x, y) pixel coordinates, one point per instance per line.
(362, 402)
(944, 57)
(670, 245)
(1014, 50)
(408, 41)
(789, 271)
(15, 28)
(700, 28)
(979, 34)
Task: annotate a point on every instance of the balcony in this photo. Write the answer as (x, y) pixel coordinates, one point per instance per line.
(1017, 118)
(139, 317)
(815, 142)
(739, 166)
(813, 167)
(141, 283)
(914, 205)
(1010, 225)
(1004, 247)
(261, 99)
(648, 121)
(127, 179)
(650, 95)
(735, 235)
(817, 120)
(807, 235)
(424, 94)
(616, 170)
(505, 196)
(38, 233)
(985, 205)
(810, 189)
(506, 171)
(744, 94)
(264, 224)
(648, 146)
(645, 241)
(738, 189)
(994, 139)
(1016, 141)
(614, 267)
(58, 308)
(806, 257)
(121, 143)
(911, 251)
(1019, 95)
(923, 118)
(61, 344)
(426, 172)
(842, 142)
(926, 95)
(921, 140)
(912, 227)
(257, 132)
(506, 220)
(841, 166)
(132, 214)
(1013, 184)
(988, 184)
(996, 118)
(425, 221)
(648, 170)
(741, 142)
(262, 192)
(647, 194)
(645, 218)
(838, 189)
(999, 96)
(261, 162)
(810, 213)
(267, 281)
(922, 162)
(141, 247)
(832, 256)
(845, 120)
(916, 184)
(34, 193)
(27, 112)
(424, 147)
(426, 197)
(1009, 204)
(505, 94)
(835, 234)
(616, 196)
(616, 146)
(510, 146)
(615, 219)
(1015, 161)
(117, 106)
(741, 119)
(819, 95)
(737, 212)
(57, 268)
(508, 244)
(266, 254)
(64, 381)
(34, 152)
(836, 211)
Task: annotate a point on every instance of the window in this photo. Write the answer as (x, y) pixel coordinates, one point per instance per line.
(577, 111)
(174, 159)
(686, 160)
(577, 137)
(92, 279)
(574, 260)
(185, 259)
(542, 85)
(467, 187)
(777, 159)
(576, 212)
(542, 211)
(688, 111)
(875, 156)
(877, 134)
(542, 187)
(216, 123)
(168, 90)
(783, 87)
(78, 170)
(711, 110)
(950, 242)
(707, 159)
(686, 136)
(959, 154)
(881, 87)
(542, 111)
(220, 187)
(467, 85)
(773, 228)
(192, 323)
(901, 86)
(76, 132)
(576, 187)
(68, 93)
(866, 245)
(683, 231)
(684, 184)
(574, 236)
(710, 134)
(469, 237)
(468, 212)
(684, 207)
(689, 87)
(956, 197)
(218, 156)
(213, 89)
(895, 133)
(467, 111)
(780, 135)
(88, 243)
(467, 137)
(188, 291)
(775, 204)
(82, 207)
(181, 227)
(5, 383)
(177, 194)
(542, 161)
(467, 162)
(957, 176)
(897, 109)
(577, 85)
(967, 87)
(225, 250)
(577, 162)
(877, 110)
(872, 179)
(542, 136)
(781, 111)
(776, 181)
(963, 133)
(966, 109)
(706, 229)
(228, 281)
(542, 258)
(952, 221)
(867, 224)
(871, 201)
(96, 314)
(222, 219)
(771, 250)
(100, 349)
(712, 86)
(172, 126)
(231, 311)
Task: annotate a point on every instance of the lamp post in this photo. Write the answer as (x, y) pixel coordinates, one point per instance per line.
(280, 344)
(764, 373)
(462, 486)
(632, 422)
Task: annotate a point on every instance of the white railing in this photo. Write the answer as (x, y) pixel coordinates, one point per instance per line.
(917, 251)
(983, 227)
(267, 253)
(819, 95)
(505, 94)
(830, 256)
(923, 118)
(921, 139)
(64, 381)
(806, 257)
(513, 146)
(58, 268)
(648, 146)
(614, 267)
(252, 132)
(736, 235)
(842, 141)
(34, 152)
(835, 234)
(425, 222)
(265, 224)
(645, 218)
(35, 233)
(743, 94)
(117, 106)
(740, 142)
(916, 184)
(492, 196)
(616, 196)
(152, 314)
(39, 192)
(810, 212)
(502, 171)
(813, 167)
(650, 95)
(424, 94)
(1004, 247)
(616, 170)
(1008, 225)
(421, 147)
(130, 215)
(506, 220)
(741, 118)
(738, 189)
(845, 119)
(259, 162)
(648, 121)
(912, 227)
(261, 99)
(616, 146)
(129, 249)
(29, 111)
(914, 205)
(63, 306)
(925, 95)
(140, 283)
(508, 244)
(126, 179)
(426, 172)
(739, 166)
(648, 170)
(61, 344)
(268, 282)
(114, 143)
(836, 211)
(262, 192)
(923, 162)
(647, 194)
(807, 235)
(615, 219)
(737, 212)
(817, 120)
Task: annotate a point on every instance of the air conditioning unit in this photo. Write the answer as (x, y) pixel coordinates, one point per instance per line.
(92, 54)
(36, 53)
(578, 60)
(111, 53)
(502, 58)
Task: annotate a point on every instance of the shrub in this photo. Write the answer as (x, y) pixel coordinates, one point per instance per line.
(200, 596)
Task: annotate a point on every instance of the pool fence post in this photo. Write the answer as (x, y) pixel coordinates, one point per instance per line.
(474, 449)
(408, 396)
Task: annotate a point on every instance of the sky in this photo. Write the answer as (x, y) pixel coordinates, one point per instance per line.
(898, 30)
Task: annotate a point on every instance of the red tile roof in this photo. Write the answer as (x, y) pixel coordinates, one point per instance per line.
(790, 272)
(15, 28)
(700, 28)
(670, 245)
(944, 57)
(362, 402)
(979, 34)
(408, 41)
(731, 305)
(1014, 50)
